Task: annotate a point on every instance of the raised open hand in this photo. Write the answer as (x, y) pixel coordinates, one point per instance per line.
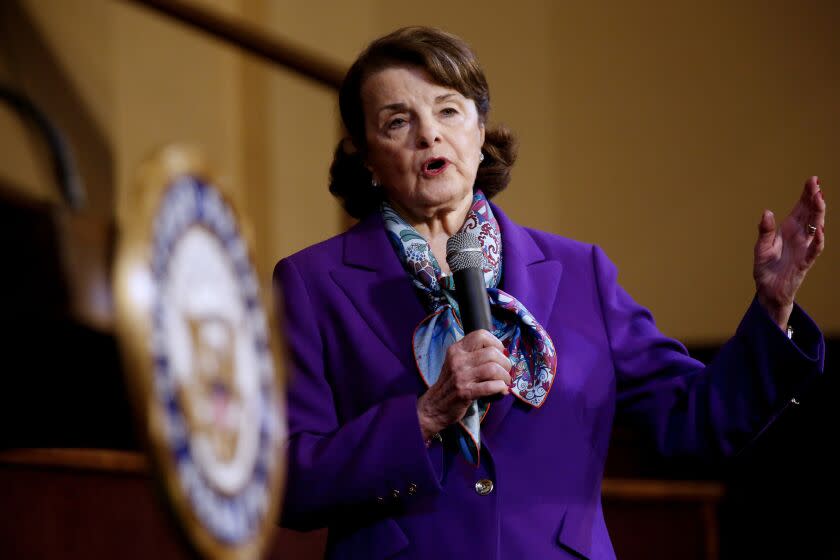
(784, 256)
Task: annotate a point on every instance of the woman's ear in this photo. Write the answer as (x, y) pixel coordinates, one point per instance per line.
(481, 132)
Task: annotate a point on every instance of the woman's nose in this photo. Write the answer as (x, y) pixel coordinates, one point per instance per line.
(427, 134)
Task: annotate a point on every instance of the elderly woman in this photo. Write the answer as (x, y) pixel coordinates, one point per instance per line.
(409, 439)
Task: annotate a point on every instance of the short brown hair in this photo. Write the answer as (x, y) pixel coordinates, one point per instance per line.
(451, 63)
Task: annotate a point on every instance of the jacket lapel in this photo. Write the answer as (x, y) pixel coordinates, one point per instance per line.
(533, 280)
(528, 275)
(374, 280)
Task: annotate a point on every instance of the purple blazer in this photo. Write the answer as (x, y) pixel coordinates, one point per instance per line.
(357, 462)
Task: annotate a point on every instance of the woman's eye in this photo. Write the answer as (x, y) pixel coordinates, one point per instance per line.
(396, 123)
(449, 111)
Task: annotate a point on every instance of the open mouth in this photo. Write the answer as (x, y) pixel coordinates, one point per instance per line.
(434, 166)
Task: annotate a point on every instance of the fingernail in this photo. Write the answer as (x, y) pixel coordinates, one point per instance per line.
(506, 353)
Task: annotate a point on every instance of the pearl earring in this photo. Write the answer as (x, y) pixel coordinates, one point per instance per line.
(374, 183)
(480, 157)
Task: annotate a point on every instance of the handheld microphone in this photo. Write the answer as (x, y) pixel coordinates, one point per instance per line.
(466, 260)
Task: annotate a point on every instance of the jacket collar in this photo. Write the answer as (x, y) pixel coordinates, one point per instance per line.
(528, 275)
(366, 245)
(374, 280)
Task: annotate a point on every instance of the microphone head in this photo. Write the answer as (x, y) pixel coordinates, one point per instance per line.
(463, 250)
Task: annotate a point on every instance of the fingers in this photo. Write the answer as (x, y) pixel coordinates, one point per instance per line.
(481, 339)
(488, 388)
(812, 185)
(493, 370)
(813, 222)
(816, 247)
(816, 207)
(488, 356)
(482, 365)
(476, 382)
(766, 233)
(810, 207)
(477, 358)
(802, 207)
(484, 349)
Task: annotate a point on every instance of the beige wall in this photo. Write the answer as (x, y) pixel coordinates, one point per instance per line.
(291, 126)
(658, 130)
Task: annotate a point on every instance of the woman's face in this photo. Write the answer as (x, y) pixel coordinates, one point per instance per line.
(423, 139)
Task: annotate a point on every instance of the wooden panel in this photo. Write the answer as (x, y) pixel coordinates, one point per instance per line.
(653, 530)
(67, 513)
(85, 503)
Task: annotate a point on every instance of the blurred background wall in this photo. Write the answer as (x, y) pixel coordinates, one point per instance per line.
(658, 130)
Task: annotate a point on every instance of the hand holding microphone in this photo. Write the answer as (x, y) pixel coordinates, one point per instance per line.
(476, 366)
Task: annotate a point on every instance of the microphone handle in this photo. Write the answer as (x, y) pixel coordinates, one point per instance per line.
(471, 295)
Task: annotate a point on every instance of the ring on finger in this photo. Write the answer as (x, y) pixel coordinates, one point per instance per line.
(811, 229)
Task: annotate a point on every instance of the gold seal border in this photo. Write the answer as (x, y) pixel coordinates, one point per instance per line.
(133, 285)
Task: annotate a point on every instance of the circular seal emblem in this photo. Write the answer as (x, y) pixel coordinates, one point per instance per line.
(198, 346)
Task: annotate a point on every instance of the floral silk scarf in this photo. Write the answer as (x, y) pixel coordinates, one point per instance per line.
(532, 354)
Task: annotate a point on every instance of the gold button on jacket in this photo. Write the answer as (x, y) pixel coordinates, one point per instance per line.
(484, 486)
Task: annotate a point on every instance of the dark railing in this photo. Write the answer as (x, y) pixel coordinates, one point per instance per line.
(253, 40)
(64, 166)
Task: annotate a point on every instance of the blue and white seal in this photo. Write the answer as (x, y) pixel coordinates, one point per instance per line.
(198, 347)
(213, 370)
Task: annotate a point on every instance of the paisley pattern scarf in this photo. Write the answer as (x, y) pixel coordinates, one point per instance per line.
(532, 354)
